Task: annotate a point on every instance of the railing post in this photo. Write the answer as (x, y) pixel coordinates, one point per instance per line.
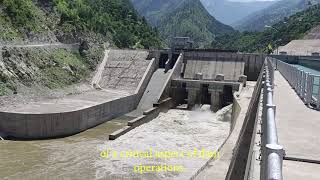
(303, 86)
(296, 79)
(275, 155)
(318, 97)
(300, 82)
(310, 80)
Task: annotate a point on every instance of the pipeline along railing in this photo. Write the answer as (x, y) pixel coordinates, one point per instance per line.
(272, 153)
(306, 85)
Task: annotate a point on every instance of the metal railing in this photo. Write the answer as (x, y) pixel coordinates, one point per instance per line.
(272, 153)
(305, 84)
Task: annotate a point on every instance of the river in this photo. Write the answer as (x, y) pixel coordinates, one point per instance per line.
(79, 156)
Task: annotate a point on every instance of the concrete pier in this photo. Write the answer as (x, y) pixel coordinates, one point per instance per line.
(193, 90)
(216, 101)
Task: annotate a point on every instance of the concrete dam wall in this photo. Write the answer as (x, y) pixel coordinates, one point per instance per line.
(213, 77)
(231, 65)
(129, 78)
(124, 80)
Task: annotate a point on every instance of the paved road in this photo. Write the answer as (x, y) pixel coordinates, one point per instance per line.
(40, 45)
(298, 132)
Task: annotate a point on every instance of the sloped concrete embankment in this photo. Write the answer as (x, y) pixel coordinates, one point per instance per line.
(49, 125)
(163, 104)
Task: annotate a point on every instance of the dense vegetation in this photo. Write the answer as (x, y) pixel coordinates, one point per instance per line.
(92, 23)
(43, 66)
(273, 14)
(115, 16)
(116, 20)
(294, 27)
(182, 18)
(154, 10)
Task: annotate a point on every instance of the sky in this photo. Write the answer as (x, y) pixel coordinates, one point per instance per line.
(249, 0)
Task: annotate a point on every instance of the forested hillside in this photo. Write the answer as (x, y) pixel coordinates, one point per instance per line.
(70, 20)
(154, 10)
(182, 18)
(94, 24)
(273, 14)
(294, 27)
(192, 20)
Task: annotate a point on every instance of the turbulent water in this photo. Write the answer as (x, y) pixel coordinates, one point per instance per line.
(79, 156)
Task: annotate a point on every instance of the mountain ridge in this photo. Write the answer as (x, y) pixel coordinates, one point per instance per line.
(188, 18)
(273, 14)
(297, 26)
(229, 12)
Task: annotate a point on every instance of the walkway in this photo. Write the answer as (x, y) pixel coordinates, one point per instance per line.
(298, 132)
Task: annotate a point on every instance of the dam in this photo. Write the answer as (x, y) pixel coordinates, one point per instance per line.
(175, 101)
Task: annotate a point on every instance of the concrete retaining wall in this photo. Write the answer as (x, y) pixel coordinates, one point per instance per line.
(237, 168)
(236, 108)
(145, 80)
(39, 126)
(175, 73)
(147, 116)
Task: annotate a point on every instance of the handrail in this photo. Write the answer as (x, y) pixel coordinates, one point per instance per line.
(272, 152)
(302, 82)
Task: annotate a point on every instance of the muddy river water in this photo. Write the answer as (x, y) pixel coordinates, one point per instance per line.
(79, 156)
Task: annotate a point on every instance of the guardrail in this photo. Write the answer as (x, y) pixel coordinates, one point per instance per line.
(272, 153)
(306, 85)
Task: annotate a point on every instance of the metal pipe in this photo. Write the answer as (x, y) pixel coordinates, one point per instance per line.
(271, 125)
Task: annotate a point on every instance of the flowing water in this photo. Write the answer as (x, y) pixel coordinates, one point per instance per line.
(79, 156)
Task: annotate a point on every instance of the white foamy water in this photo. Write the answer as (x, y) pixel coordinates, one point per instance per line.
(77, 157)
(176, 130)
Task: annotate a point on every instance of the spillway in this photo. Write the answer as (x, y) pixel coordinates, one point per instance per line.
(137, 98)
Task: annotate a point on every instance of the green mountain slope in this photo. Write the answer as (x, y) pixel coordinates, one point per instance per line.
(153, 10)
(191, 19)
(93, 23)
(182, 18)
(295, 27)
(273, 14)
(71, 20)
